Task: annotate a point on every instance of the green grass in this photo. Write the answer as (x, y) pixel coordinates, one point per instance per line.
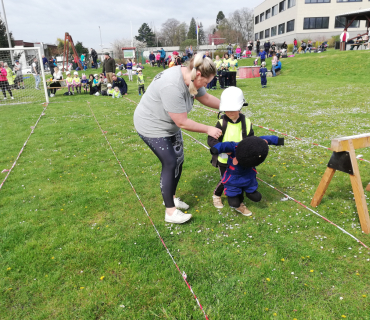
(68, 216)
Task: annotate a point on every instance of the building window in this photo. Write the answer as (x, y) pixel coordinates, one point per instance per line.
(262, 16)
(256, 36)
(274, 10)
(256, 19)
(316, 23)
(282, 6)
(261, 35)
(268, 13)
(273, 31)
(317, 1)
(291, 3)
(267, 33)
(290, 26)
(349, 0)
(281, 28)
(340, 22)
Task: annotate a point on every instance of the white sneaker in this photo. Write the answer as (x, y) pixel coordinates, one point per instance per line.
(217, 202)
(4, 98)
(179, 204)
(177, 217)
(51, 95)
(12, 98)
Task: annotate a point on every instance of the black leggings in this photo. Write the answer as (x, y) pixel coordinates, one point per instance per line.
(54, 85)
(236, 201)
(5, 85)
(169, 150)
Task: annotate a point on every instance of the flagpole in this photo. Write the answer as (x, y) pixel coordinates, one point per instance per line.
(197, 35)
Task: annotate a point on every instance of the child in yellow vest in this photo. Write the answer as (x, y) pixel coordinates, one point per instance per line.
(77, 81)
(235, 127)
(69, 81)
(140, 81)
(110, 90)
(116, 93)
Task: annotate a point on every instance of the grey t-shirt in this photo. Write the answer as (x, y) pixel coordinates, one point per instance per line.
(167, 93)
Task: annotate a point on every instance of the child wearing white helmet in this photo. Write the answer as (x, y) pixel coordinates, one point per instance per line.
(76, 82)
(110, 90)
(263, 74)
(235, 127)
(69, 81)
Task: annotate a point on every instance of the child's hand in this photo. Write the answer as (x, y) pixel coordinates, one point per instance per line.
(266, 141)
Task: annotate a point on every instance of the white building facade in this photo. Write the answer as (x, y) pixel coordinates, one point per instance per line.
(284, 20)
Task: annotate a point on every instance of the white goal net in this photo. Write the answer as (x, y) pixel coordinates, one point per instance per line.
(22, 76)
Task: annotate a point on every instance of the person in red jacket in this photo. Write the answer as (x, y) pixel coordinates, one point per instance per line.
(4, 84)
(295, 43)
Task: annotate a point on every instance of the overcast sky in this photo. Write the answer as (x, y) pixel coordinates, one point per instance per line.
(45, 21)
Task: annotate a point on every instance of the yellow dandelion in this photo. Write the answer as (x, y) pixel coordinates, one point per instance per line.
(52, 258)
(283, 259)
(266, 309)
(311, 270)
(274, 314)
(245, 293)
(343, 316)
(302, 258)
(268, 279)
(81, 288)
(357, 274)
(364, 295)
(102, 277)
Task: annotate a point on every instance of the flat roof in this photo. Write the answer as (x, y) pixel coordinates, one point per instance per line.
(361, 14)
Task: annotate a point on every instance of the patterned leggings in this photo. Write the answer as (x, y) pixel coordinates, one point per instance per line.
(169, 150)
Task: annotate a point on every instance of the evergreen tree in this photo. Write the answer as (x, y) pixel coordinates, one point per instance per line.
(80, 48)
(146, 35)
(202, 35)
(219, 18)
(3, 36)
(192, 34)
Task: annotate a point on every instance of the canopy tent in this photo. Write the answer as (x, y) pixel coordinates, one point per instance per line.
(363, 14)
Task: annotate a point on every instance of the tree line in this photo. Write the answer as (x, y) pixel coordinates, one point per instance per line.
(237, 28)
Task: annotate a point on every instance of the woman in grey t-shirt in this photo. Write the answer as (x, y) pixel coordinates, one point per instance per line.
(162, 113)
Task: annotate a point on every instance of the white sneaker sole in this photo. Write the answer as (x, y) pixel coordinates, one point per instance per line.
(168, 219)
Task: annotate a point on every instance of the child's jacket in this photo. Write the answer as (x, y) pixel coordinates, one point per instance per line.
(263, 72)
(237, 175)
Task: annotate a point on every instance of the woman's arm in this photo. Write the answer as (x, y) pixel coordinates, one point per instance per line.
(209, 101)
(182, 121)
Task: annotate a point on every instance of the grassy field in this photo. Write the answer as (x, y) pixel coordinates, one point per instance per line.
(75, 242)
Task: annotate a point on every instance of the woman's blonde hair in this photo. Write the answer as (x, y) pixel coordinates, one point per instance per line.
(204, 65)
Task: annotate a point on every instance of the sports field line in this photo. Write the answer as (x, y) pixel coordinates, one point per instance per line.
(24, 145)
(183, 274)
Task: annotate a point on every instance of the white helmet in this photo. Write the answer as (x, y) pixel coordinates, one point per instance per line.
(109, 85)
(68, 72)
(75, 73)
(138, 69)
(97, 94)
(232, 99)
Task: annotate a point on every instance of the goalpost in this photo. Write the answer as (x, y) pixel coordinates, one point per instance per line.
(23, 84)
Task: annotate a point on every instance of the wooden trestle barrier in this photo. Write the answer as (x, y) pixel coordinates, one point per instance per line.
(344, 159)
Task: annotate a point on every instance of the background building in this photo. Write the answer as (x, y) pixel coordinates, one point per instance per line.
(285, 20)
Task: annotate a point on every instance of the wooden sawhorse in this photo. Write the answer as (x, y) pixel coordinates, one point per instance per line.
(344, 159)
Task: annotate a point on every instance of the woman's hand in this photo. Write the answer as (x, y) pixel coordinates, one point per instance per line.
(214, 132)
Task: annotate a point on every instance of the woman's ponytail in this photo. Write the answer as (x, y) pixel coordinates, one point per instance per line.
(203, 64)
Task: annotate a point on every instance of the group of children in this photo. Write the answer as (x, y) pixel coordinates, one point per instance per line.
(97, 84)
(226, 72)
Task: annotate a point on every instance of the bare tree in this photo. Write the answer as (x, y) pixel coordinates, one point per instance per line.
(242, 21)
(169, 32)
